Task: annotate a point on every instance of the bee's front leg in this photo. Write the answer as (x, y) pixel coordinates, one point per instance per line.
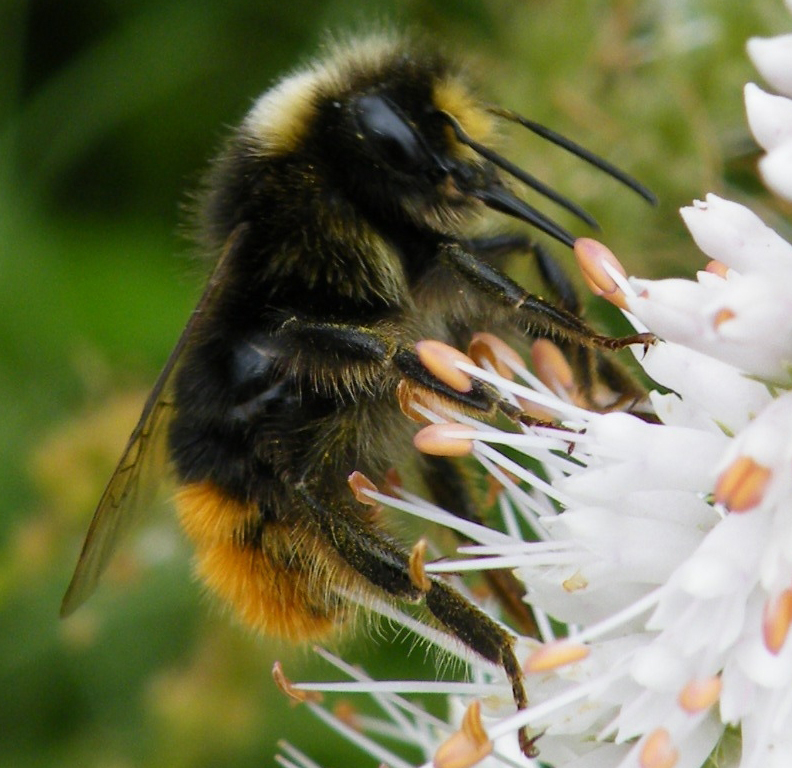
(531, 312)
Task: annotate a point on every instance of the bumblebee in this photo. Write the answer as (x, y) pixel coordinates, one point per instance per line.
(337, 217)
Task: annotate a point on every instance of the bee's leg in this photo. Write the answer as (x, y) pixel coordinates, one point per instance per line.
(531, 312)
(384, 565)
(340, 348)
(590, 364)
(449, 489)
(556, 280)
(481, 396)
(618, 380)
(553, 275)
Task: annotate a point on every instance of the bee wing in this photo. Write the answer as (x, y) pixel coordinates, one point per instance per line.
(126, 496)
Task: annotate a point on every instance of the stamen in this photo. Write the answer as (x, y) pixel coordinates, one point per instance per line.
(531, 507)
(554, 655)
(285, 762)
(444, 440)
(300, 759)
(414, 505)
(776, 621)
(567, 410)
(415, 401)
(699, 695)
(387, 687)
(417, 570)
(742, 484)
(723, 316)
(361, 740)
(468, 745)
(440, 359)
(499, 562)
(575, 582)
(524, 474)
(715, 267)
(552, 367)
(658, 751)
(287, 687)
(347, 714)
(592, 256)
(393, 482)
(397, 708)
(361, 486)
(486, 347)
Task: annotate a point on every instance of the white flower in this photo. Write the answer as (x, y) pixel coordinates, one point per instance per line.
(742, 317)
(769, 116)
(663, 545)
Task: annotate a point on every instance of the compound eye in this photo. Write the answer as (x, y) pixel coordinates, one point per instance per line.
(390, 135)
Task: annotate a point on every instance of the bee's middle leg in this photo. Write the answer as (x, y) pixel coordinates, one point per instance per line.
(448, 486)
(340, 349)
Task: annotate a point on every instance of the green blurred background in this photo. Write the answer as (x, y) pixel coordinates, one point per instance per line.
(108, 114)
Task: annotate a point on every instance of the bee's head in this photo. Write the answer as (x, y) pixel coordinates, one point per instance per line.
(395, 148)
(398, 126)
(395, 129)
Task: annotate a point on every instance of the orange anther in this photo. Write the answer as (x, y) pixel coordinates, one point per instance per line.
(554, 655)
(440, 359)
(490, 348)
(467, 746)
(742, 484)
(658, 751)
(591, 256)
(444, 440)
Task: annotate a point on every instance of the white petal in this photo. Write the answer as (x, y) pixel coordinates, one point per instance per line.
(583, 595)
(776, 170)
(739, 693)
(654, 456)
(602, 756)
(668, 308)
(773, 58)
(744, 321)
(642, 713)
(705, 576)
(676, 412)
(769, 117)
(768, 439)
(622, 540)
(739, 539)
(731, 233)
(659, 668)
(751, 320)
(762, 748)
(764, 668)
(699, 744)
(706, 386)
(674, 507)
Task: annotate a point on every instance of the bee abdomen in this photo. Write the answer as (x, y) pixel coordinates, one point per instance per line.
(279, 581)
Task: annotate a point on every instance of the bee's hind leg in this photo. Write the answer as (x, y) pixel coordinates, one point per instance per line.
(385, 566)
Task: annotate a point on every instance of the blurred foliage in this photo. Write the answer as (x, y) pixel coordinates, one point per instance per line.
(108, 112)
